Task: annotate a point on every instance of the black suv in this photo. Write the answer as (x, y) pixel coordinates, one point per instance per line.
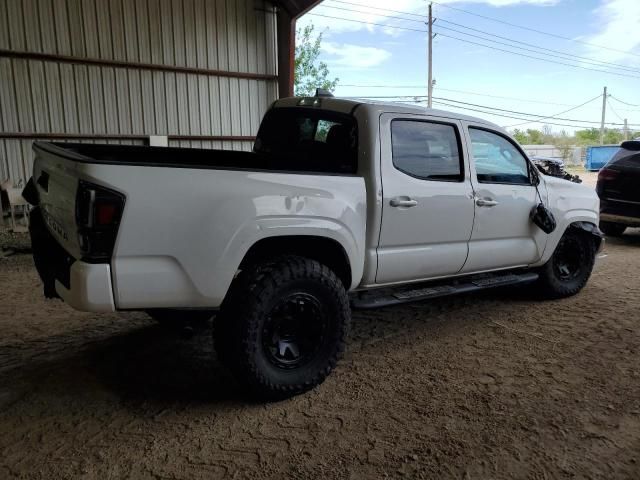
(619, 190)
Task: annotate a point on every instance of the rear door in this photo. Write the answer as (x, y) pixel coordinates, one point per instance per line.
(504, 195)
(427, 204)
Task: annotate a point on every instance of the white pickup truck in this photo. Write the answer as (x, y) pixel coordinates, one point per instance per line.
(341, 204)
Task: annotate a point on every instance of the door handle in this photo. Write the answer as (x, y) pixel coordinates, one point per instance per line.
(402, 202)
(486, 202)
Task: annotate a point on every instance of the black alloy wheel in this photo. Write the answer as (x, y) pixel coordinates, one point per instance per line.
(568, 258)
(294, 330)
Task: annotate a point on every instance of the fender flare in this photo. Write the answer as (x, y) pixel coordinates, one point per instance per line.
(589, 228)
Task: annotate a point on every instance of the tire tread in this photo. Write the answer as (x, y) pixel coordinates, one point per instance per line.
(236, 330)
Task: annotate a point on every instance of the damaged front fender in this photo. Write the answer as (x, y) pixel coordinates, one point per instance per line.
(592, 229)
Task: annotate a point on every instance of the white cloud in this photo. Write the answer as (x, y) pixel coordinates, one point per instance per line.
(619, 22)
(347, 16)
(354, 56)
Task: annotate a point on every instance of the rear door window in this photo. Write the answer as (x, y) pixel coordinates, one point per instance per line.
(427, 150)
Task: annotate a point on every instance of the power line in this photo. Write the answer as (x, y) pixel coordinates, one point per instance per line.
(563, 112)
(527, 100)
(599, 63)
(493, 19)
(491, 110)
(367, 23)
(478, 44)
(380, 86)
(614, 112)
(535, 30)
(504, 98)
(585, 59)
(538, 58)
(379, 8)
(542, 117)
(401, 98)
(386, 15)
(623, 102)
(504, 115)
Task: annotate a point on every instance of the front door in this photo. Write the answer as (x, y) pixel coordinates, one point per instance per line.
(503, 234)
(427, 211)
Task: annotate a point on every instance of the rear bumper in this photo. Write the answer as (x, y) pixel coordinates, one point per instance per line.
(84, 286)
(621, 219)
(90, 288)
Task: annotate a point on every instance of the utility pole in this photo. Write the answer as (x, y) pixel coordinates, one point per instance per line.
(626, 130)
(604, 109)
(430, 79)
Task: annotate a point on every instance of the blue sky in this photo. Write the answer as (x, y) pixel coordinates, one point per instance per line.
(361, 54)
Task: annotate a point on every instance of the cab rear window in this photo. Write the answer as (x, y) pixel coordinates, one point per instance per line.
(308, 140)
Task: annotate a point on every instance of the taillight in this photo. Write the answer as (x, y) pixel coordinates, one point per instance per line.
(98, 214)
(607, 174)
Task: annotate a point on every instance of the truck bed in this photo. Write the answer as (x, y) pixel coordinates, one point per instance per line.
(184, 230)
(198, 158)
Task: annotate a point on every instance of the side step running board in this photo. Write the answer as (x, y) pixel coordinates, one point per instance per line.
(386, 297)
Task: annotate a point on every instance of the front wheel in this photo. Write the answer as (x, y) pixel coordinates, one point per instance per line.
(283, 327)
(570, 266)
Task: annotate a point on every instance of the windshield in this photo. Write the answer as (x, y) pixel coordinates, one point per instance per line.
(305, 139)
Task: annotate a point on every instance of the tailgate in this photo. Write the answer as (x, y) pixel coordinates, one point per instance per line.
(56, 180)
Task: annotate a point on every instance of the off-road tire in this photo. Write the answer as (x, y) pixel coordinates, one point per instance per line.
(612, 229)
(248, 311)
(552, 283)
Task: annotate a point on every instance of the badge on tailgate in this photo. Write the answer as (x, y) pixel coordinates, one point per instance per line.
(54, 225)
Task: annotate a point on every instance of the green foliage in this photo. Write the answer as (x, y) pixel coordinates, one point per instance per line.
(565, 144)
(529, 137)
(591, 136)
(520, 136)
(562, 140)
(310, 73)
(535, 136)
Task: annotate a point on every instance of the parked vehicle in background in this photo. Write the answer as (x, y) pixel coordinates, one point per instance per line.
(342, 203)
(554, 167)
(619, 190)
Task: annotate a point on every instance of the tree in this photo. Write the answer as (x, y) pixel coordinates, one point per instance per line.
(547, 134)
(535, 136)
(310, 73)
(591, 136)
(564, 143)
(521, 137)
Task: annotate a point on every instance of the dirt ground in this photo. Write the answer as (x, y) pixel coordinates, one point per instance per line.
(496, 385)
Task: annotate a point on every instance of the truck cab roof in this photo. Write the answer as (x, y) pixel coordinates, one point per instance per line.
(348, 105)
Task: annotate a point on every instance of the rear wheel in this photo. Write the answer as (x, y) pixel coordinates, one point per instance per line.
(570, 266)
(283, 327)
(612, 229)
